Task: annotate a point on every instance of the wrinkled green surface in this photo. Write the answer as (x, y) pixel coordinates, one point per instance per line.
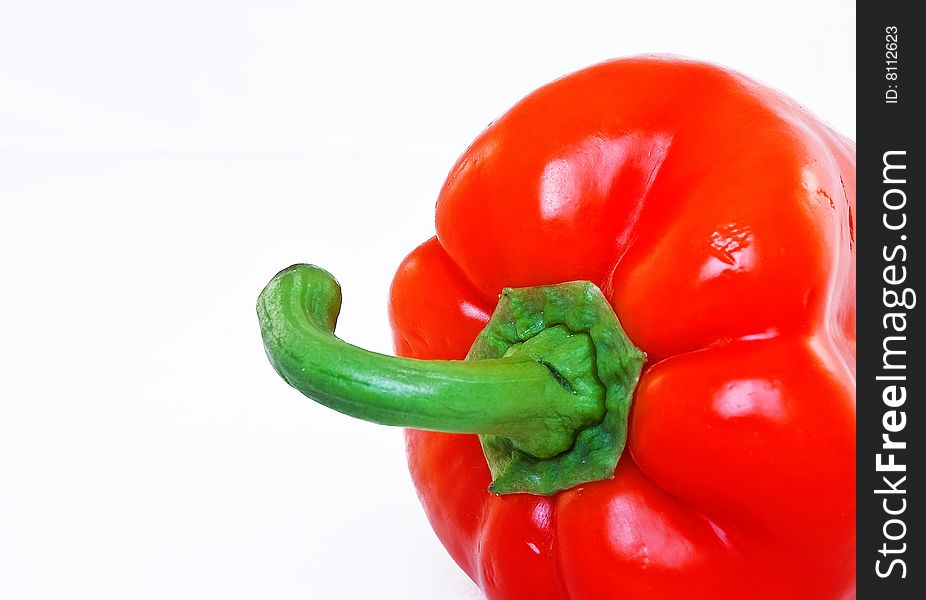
(526, 314)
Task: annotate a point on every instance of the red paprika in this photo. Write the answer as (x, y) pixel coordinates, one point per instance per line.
(715, 217)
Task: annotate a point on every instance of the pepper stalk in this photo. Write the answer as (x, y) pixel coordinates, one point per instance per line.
(547, 384)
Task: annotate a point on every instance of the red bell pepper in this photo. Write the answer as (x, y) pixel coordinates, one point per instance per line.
(715, 217)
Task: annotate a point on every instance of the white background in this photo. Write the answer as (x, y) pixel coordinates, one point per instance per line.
(159, 162)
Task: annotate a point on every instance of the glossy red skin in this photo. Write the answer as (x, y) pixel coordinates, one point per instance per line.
(717, 217)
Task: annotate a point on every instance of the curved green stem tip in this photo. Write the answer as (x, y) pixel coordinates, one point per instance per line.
(547, 384)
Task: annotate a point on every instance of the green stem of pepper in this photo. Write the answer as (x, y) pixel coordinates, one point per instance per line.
(532, 385)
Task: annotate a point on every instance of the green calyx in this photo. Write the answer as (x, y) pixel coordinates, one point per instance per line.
(547, 384)
(606, 367)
